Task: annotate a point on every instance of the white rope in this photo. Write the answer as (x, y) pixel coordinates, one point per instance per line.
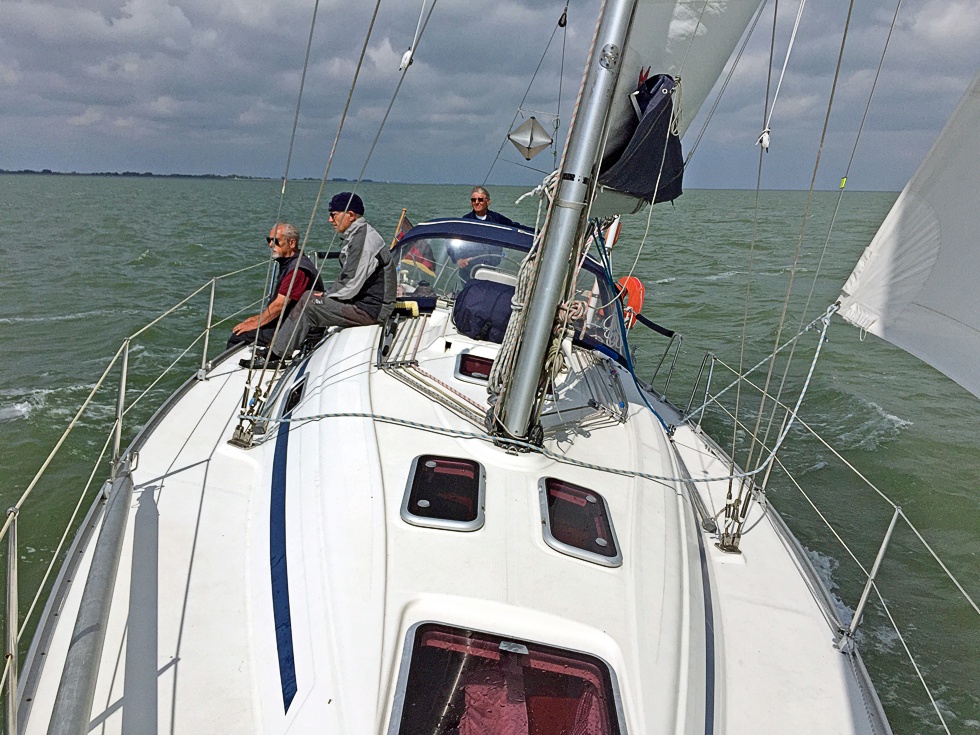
(764, 137)
(407, 59)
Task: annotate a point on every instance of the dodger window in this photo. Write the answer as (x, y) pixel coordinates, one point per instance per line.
(577, 522)
(444, 492)
(463, 682)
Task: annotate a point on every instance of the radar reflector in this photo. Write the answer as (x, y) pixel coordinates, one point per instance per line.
(530, 138)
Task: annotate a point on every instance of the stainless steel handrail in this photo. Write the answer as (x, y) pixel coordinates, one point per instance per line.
(118, 474)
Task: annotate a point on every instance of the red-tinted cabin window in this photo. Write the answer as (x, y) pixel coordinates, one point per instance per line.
(577, 522)
(461, 682)
(445, 492)
(473, 367)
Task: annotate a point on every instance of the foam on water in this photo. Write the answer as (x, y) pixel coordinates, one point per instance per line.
(876, 429)
(56, 318)
(826, 566)
(16, 404)
(15, 411)
(722, 276)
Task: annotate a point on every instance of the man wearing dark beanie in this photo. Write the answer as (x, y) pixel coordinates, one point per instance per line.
(362, 294)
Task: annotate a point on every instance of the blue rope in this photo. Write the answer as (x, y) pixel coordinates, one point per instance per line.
(627, 352)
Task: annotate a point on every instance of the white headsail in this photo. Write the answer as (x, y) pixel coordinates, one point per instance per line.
(917, 283)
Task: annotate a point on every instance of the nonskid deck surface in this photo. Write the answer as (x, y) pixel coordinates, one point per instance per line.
(278, 596)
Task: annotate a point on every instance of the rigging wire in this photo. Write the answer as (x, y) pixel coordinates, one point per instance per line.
(840, 196)
(503, 366)
(731, 504)
(299, 102)
(744, 497)
(562, 22)
(269, 276)
(850, 161)
(678, 111)
(824, 320)
(360, 62)
(621, 321)
(763, 140)
(728, 78)
(323, 181)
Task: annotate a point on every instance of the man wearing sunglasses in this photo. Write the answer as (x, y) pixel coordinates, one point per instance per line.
(295, 275)
(480, 202)
(362, 294)
(471, 255)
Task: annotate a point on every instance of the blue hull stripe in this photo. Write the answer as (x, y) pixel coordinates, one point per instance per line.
(277, 562)
(280, 578)
(709, 637)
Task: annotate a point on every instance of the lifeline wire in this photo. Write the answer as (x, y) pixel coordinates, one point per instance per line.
(519, 443)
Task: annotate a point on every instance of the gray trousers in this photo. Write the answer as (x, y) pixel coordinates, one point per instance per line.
(316, 311)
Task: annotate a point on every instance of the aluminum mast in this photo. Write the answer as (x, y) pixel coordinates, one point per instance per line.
(568, 215)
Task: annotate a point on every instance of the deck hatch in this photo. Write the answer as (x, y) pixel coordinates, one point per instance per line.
(445, 492)
(473, 368)
(461, 681)
(577, 522)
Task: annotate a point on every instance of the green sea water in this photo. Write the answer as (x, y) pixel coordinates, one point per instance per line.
(89, 260)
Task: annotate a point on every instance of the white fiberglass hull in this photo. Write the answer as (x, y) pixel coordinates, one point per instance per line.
(274, 589)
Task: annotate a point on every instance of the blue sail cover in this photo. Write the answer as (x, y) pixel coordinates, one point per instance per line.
(653, 153)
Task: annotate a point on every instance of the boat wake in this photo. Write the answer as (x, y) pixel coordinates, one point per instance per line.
(826, 567)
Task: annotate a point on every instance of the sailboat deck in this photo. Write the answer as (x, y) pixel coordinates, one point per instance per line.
(183, 561)
(772, 612)
(291, 582)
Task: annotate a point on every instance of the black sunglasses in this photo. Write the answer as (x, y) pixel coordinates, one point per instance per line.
(273, 239)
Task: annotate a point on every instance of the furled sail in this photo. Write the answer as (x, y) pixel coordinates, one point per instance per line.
(918, 283)
(690, 40)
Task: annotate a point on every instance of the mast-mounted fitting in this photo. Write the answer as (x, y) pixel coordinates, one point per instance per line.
(609, 57)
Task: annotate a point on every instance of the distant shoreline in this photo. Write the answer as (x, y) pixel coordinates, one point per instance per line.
(151, 175)
(336, 180)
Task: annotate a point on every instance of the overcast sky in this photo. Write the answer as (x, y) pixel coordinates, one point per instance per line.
(210, 86)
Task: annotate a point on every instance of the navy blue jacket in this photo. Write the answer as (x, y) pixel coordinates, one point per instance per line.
(495, 217)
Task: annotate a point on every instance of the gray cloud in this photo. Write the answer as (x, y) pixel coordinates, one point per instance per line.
(196, 86)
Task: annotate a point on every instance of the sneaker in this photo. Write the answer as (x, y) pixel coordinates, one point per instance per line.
(261, 360)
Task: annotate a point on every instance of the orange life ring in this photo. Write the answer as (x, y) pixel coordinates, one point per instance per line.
(631, 293)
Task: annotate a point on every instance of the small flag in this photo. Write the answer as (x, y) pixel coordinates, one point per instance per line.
(419, 257)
